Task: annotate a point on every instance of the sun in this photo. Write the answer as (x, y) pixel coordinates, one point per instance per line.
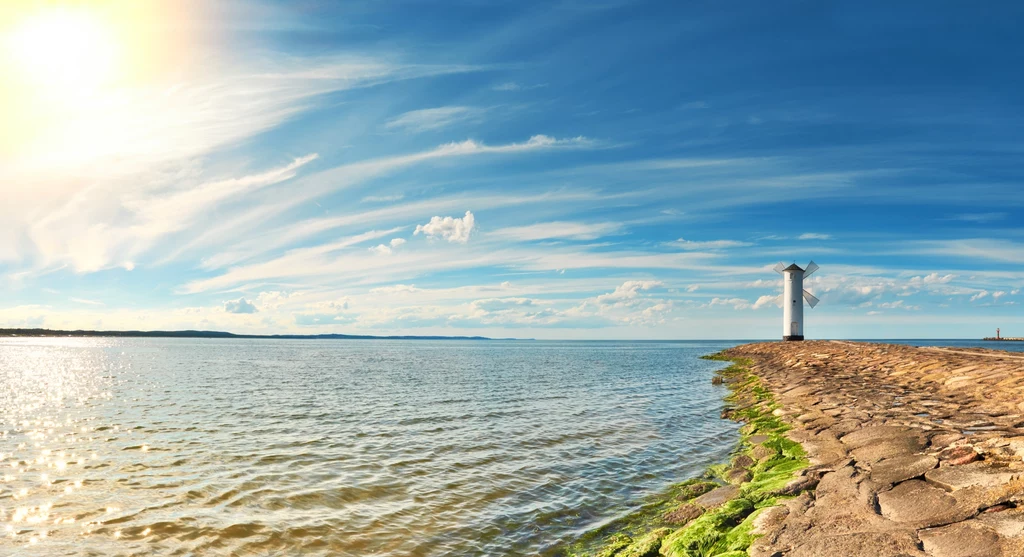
(64, 49)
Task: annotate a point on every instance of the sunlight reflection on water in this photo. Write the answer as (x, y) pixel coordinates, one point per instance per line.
(174, 446)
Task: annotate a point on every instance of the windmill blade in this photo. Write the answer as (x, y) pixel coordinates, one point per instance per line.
(779, 267)
(811, 300)
(811, 267)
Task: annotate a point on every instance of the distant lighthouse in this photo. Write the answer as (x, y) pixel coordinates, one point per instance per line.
(793, 296)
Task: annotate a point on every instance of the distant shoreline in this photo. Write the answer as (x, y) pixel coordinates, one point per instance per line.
(222, 334)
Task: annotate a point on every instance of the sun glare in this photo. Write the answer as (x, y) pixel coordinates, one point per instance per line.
(65, 48)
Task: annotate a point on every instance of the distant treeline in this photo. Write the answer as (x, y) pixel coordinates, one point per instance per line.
(211, 334)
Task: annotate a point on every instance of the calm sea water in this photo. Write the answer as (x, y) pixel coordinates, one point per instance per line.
(276, 447)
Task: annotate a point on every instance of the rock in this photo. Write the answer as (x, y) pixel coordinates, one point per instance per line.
(959, 455)
(717, 380)
(887, 448)
(800, 484)
(1008, 523)
(683, 514)
(717, 497)
(758, 439)
(880, 433)
(695, 490)
(742, 461)
(946, 439)
(646, 546)
(965, 539)
(921, 505)
(898, 469)
(859, 544)
(976, 474)
(761, 453)
(738, 475)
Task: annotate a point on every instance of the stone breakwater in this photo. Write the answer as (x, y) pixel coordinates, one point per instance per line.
(850, 449)
(916, 451)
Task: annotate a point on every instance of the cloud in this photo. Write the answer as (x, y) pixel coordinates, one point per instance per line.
(628, 290)
(416, 121)
(86, 302)
(765, 300)
(998, 294)
(387, 249)
(449, 228)
(980, 218)
(707, 245)
(931, 278)
(240, 306)
(395, 289)
(514, 86)
(1003, 251)
(383, 198)
(979, 295)
(566, 230)
(814, 236)
(736, 303)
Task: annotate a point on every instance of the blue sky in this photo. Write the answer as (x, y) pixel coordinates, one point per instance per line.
(532, 169)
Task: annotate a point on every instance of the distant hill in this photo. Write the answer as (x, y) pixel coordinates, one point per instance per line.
(213, 334)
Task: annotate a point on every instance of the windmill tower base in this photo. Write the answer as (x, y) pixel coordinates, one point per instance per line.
(793, 337)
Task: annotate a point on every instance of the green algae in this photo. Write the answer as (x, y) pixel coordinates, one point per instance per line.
(726, 531)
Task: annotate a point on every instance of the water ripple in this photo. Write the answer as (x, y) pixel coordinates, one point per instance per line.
(211, 447)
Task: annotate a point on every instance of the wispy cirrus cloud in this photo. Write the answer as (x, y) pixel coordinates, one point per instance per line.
(426, 119)
(558, 230)
(691, 245)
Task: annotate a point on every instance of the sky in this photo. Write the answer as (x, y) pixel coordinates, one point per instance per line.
(569, 169)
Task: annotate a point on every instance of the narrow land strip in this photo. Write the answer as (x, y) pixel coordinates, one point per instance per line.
(851, 449)
(923, 450)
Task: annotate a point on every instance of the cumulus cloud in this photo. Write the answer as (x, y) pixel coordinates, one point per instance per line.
(449, 228)
(736, 303)
(814, 236)
(709, 244)
(240, 305)
(998, 294)
(931, 278)
(387, 249)
(628, 290)
(765, 300)
(979, 295)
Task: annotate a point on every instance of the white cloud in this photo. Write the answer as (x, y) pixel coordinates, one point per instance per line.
(567, 230)
(383, 198)
(979, 295)
(931, 278)
(1004, 251)
(432, 118)
(765, 300)
(998, 294)
(814, 236)
(693, 288)
(514, 86)
(628, 290)
(1015, 291)
(449, 228)
(388, 249)
(86, 302)
(240, 305)
(707, 245)
(395, 289)
(736, 303)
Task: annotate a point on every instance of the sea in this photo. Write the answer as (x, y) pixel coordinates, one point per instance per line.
(146, 446)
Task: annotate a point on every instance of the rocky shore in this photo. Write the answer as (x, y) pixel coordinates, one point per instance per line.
(852, 449)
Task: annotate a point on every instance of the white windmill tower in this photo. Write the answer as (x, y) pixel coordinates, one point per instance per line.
(792, 304)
